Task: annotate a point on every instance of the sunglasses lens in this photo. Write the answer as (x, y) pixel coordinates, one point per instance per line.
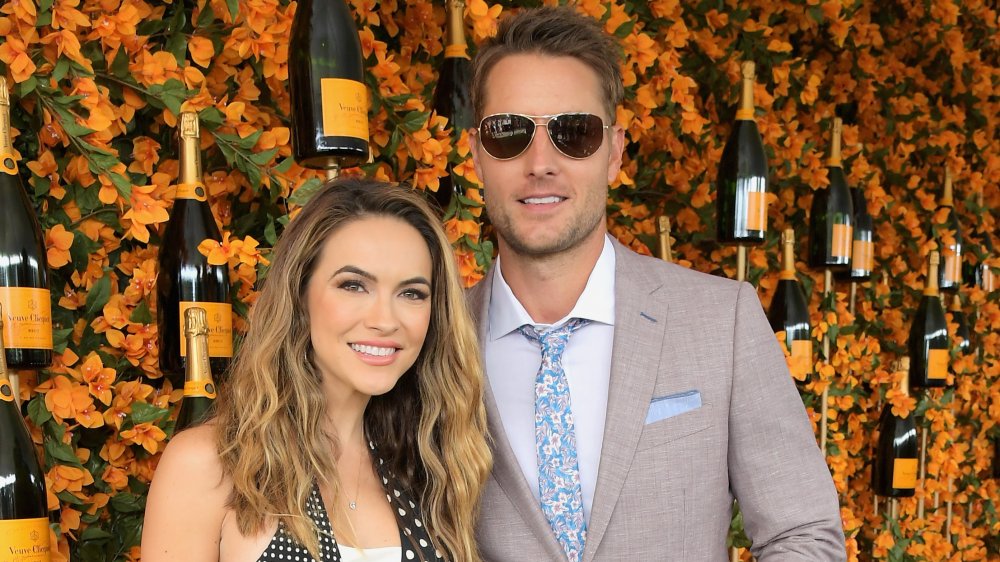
(577, 135)
(506, 135)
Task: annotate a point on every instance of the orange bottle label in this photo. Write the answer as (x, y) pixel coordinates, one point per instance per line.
(195, 191)
(840, 243)
(952, 266)
(745, 114)
(802, 358)
(863, 256)
(24, 540)
(937, 364)
(904, 473)
(200, 388)
(345, 108)
(220, 327)
(756, 210)
(27, 317)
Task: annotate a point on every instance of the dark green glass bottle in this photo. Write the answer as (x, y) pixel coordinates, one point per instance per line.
(741, 201)
(863, 247)
(894, 473)
(790, 313)
(948, 235)
(928, 342)
(329, 100)
(24, 274)
(831, 218)
(186, 278)
(963, 336)
(452, 98)
(24, 511)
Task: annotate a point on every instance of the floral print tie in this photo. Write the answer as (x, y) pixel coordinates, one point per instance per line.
(555, 441)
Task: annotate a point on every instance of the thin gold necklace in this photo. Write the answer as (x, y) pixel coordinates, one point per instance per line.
(353, 504)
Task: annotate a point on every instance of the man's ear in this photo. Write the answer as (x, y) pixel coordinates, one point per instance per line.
(615, 157)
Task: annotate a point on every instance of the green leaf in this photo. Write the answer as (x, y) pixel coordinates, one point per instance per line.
(212, 117)
(124, 502)
(234, 8)
(206, 17)
(284, 166)
(171, 94)
(270, 235)
(60, 70)
(60, 451)
(66, 496)
(94, 533)
(98, 296)
(141, 314)
(263, 158)
(147, 413)
(83, 246)
(414, 121)
(25, 88)
(37, 411)
(306, 191)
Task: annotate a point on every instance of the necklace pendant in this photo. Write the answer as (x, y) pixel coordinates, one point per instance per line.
(353, 506)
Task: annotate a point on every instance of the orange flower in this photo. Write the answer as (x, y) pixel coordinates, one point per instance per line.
(68, 478)
(219, 253)
(144, 211)
(98, 377)
(145, 434)
(14, 53)
(57, 244)
(201, 50)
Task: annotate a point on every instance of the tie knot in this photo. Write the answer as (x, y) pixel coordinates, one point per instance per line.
(555, 337)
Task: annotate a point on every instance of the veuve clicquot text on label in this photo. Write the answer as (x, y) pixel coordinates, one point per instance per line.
(947, 231)
(186, 279)
(742, 181)
(928, 342)
(199, 387)
(790, 313)
(24, 278)
(452, 98)
(24, 513)
(831, 218)
(894, 473)
(329, 102)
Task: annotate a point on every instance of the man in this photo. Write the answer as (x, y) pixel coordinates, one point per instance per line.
(630, 400)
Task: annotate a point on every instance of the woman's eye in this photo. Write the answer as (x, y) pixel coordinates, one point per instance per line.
(353, 286)
(415, 294)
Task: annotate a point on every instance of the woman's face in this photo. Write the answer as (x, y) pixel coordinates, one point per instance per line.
(369, 302)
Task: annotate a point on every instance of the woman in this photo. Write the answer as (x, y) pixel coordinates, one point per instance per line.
(359, 380)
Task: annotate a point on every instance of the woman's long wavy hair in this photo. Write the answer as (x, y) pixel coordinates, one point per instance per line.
(430, 428)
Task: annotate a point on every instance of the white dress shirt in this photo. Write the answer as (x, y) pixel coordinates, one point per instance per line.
(512, 364)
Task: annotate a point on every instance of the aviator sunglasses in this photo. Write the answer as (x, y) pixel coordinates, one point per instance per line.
(575, 135)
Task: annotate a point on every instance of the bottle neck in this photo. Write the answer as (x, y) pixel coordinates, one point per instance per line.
(788, 257)
(198, 367)
(746, 110)
(948, 195)
(932, 289)
(8, 162)
(457, 47)
(834, 160)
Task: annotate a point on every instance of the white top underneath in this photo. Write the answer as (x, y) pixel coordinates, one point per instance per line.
(387, 554)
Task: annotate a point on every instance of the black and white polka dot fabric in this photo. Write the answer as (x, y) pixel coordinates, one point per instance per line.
(413, 537)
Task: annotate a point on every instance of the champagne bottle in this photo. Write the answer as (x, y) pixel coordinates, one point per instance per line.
(928, 343)
(950, 274)
(894, 473)
(199, 388)
(976, 271)
(452, 98)
(789, 311)
(666, 243)
(964, 341)
(742, 182)
(24, 511)
(24, 278)
(863, 247)
(831, 219)
(329, 101)
(186, 278)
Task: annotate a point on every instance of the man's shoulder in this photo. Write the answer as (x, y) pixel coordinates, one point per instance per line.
(676, 277)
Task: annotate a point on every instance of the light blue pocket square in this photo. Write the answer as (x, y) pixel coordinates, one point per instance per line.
(674, 404)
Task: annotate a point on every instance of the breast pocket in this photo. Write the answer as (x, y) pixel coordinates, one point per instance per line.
(682, 423)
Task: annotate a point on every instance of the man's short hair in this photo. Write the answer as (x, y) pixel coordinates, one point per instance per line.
(557, 31)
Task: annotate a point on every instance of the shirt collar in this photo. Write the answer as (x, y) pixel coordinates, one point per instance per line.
(596, 303)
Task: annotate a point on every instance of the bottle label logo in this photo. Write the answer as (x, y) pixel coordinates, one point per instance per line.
(27, 322)
(345, 108)
(904, 474)
(6, 391)
(24, 540)
(220, 327)
(195, 191)
(937, 364)
(8, 164)
(199, 388)
(840, 240)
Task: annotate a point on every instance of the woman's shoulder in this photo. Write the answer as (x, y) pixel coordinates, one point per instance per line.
(193, 450)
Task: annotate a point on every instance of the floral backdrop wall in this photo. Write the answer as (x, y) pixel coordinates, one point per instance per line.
(98, 86)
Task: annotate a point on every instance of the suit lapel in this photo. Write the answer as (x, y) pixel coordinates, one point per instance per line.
(506, 470)
(640, 325)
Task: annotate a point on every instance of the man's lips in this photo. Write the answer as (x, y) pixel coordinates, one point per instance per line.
(542, 200)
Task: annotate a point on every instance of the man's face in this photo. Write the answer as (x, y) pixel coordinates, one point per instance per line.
(543, 202)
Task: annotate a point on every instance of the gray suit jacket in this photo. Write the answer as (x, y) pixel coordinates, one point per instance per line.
(665, 489)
